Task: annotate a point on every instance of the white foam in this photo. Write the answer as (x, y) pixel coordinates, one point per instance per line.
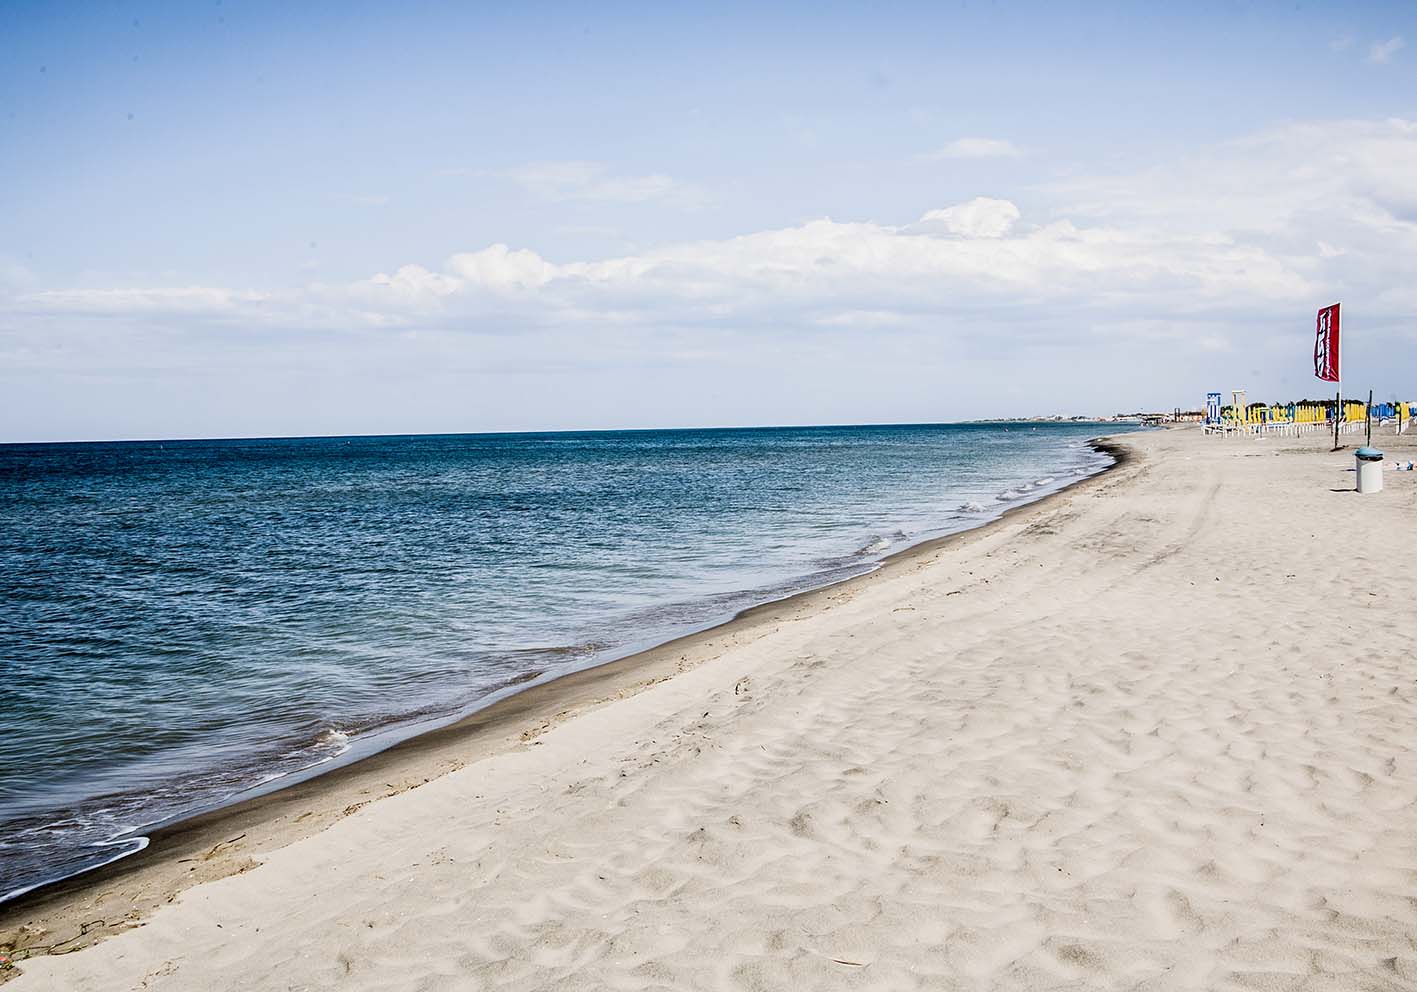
(334, 738)
(135, 844)
(876, 545)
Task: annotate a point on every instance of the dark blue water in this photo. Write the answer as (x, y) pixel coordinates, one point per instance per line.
(181, 621)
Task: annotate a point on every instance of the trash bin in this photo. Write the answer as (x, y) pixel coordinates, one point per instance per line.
(1370, 470)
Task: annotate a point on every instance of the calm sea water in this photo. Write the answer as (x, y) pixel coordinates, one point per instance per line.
(183, 621)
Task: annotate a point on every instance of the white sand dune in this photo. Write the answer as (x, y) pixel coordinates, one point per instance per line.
(1159, 732)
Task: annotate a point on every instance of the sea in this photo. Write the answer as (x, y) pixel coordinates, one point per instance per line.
(184, 624)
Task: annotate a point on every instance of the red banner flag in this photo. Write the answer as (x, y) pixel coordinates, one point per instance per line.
(1326, 345)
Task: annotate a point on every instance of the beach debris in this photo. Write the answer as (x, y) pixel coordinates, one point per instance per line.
(211, 853)
(6, 963)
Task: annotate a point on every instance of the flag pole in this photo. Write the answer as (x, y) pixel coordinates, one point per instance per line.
(1337, 412)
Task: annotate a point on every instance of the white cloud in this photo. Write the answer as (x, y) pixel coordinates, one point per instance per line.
(862, 319)
(593, 181)
(976, 148)
(964, 255)
(415, 286)
(1320, 177)
(1381, 52)
(500, 268)
(981, 217)
(1238, 232)
(161, 300)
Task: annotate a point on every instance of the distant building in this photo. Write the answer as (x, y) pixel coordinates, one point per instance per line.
(1176, 416)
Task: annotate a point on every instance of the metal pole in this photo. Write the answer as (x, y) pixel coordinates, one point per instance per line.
(1337, 412)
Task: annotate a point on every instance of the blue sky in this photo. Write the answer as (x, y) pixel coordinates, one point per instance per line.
(244, 219)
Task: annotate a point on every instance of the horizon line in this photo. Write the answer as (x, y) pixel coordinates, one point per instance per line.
(1052, 418)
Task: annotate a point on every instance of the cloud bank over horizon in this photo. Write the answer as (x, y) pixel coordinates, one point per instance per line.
(1257, 228)
(1245, 223)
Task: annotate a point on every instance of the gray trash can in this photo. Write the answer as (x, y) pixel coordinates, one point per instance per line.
(1370, 470)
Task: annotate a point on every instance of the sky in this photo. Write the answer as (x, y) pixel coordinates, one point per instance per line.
(251, 219)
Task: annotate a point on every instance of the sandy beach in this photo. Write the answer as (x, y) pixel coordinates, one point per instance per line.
(1154, 732)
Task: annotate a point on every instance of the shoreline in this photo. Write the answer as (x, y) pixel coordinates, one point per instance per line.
(74, 912)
